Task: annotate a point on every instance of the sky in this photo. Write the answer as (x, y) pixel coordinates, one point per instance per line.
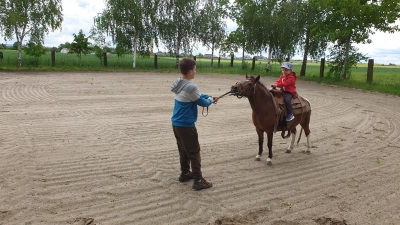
(79, 14)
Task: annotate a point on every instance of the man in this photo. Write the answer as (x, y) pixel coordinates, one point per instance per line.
(187, 98)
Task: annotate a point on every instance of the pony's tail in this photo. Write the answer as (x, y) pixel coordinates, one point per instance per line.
(298, 140)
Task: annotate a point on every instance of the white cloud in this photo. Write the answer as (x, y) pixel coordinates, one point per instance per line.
(385, 48)
(78, 14)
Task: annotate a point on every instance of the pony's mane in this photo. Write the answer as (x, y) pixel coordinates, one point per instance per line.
(259, 82)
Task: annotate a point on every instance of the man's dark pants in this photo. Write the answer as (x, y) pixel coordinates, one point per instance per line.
(187, 139)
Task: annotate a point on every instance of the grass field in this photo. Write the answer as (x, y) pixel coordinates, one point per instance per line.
(386, 78)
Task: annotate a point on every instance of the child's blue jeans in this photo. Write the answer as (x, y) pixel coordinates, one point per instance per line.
(288, 101)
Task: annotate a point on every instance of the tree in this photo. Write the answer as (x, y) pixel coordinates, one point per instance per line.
(313, 46)
(100, 45)
(120, 50)
(34, 18)
(235, 40)
(80, 45)
(177, 25)
(337, 57)
(243, 13)
(211, 27)
(255, 18)
(285, 31)
(352, 21)
(131, 24)
(271, 25)
(232, 42)
(35, 50)
(290, 27)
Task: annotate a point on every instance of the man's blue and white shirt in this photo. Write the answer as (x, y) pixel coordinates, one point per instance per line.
(187, 97)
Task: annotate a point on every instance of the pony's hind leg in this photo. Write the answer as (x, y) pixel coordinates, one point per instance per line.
(291, 146)
(308, 143)
(307, 132)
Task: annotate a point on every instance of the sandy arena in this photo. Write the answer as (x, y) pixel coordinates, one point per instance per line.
(98, 148)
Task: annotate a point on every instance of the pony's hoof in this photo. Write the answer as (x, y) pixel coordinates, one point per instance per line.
(258, 157)
(269, 161)
(288, 151)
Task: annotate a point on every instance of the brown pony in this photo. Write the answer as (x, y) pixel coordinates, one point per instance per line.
(268, 115)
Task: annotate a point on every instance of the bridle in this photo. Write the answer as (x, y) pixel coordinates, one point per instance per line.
(240, 94)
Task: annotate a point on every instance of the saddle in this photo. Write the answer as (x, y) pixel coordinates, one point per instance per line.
(300, 105)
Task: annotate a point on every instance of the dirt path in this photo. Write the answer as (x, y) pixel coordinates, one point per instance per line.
(87, 148)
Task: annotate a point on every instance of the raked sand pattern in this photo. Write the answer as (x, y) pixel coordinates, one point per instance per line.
(98, 148)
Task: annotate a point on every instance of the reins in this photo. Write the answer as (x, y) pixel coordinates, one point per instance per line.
(225, 94)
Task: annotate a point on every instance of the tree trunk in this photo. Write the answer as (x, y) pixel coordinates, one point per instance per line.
(268, 67)
(212, 55)
(243, 59)
(19, 53)
(306, 47)
(134, 51)
(346, 58)
(177, 54)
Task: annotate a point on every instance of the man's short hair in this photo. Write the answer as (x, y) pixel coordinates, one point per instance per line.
(186, 65)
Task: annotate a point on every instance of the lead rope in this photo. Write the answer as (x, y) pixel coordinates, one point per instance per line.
(202, 113)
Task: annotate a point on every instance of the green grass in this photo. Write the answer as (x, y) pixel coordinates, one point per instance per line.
(386, 78)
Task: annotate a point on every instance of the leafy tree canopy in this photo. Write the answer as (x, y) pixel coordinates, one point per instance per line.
(80, 45)
(34, 18)
(128, 20)
(35, 50)
(211, 27)
(356, 17)
(353, 21)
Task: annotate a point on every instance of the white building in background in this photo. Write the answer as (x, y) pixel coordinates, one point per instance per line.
(64, 50)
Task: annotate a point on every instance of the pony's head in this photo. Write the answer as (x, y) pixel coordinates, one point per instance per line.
(245, 88)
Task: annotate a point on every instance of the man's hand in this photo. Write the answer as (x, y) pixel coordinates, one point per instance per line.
(215, 100)
(273, 86)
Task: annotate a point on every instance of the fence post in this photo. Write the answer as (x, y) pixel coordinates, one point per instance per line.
(155, 61)
(177, 61)
(105, 59)
(53, 56)
(322, 68)
(370, 72)
(254, 63)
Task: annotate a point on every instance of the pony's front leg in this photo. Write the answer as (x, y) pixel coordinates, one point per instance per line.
(270, 135)
(290, 148)
(260, 134)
